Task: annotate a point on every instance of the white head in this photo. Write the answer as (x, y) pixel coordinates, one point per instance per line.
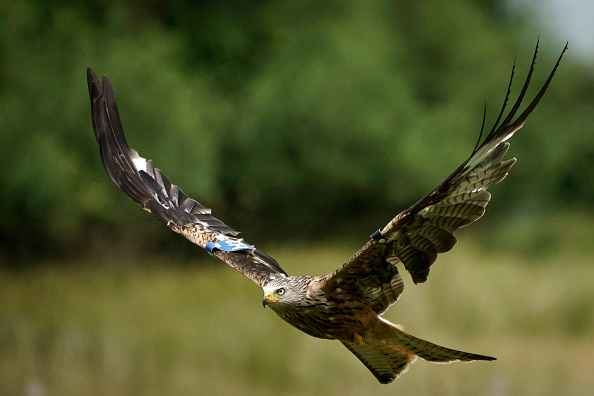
(284, 292)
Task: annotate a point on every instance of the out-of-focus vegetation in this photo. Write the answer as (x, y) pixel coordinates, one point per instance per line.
(296, 121)
(291, 119)
(170, 329)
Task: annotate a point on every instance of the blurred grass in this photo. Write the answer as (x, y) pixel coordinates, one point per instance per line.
(164, 328)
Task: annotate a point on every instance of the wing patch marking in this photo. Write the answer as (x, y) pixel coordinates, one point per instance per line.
(227, 245)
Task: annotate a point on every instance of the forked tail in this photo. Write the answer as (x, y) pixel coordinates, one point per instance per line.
(387, 351)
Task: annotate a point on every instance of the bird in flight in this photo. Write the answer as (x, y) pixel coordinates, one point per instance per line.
(347, 304)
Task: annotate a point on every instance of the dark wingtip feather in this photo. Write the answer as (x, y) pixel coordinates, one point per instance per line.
(478, 141)
(542, 91)
(508, 122)
(518, 102)
(509, 85)
(92, 83)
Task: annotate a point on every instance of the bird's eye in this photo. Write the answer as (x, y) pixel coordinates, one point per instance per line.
(280, 291)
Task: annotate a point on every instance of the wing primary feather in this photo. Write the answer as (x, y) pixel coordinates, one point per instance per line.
(522, 118)
(518, 102)
(478, 142)
(511, 79)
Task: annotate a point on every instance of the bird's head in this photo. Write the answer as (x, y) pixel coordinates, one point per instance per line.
(280, 292)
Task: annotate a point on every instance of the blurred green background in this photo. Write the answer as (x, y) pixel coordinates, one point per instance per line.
(306, 125)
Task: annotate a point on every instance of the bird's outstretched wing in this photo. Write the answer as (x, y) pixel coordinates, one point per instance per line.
(419, 233)
(147, 186)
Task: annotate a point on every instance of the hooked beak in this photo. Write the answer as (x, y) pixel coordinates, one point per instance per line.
(268, 299)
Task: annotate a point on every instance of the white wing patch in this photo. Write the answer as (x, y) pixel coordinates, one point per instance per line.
(139, 163)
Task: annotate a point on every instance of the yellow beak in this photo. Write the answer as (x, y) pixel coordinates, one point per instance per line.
(268, 299)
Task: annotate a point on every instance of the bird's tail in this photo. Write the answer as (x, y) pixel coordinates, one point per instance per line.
(387, 351)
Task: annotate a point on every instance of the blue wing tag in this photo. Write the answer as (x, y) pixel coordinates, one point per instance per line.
(227, 245)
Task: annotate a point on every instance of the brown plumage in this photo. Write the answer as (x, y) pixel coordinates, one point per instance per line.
(346, 304)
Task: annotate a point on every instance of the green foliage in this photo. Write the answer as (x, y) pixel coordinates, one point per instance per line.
(292, 118)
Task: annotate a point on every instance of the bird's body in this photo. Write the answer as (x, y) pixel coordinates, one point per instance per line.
(325, 310)
(318, 313)
(347, 304)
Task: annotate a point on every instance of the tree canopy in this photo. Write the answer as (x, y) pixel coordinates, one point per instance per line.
(290, 119)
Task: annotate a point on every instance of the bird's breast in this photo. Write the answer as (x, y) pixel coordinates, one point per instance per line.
(338, 319)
